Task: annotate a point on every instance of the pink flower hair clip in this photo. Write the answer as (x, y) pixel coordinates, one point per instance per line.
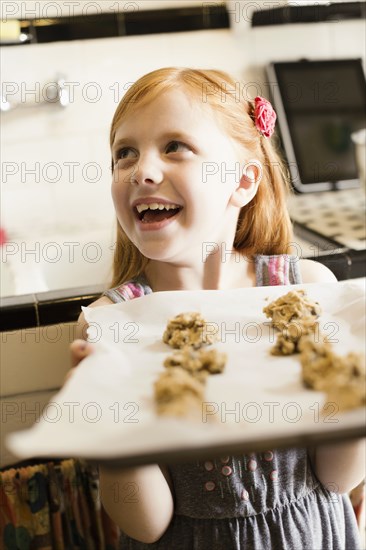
(264, 116)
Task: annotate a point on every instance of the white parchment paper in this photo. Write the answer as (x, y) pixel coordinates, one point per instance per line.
(106, 409)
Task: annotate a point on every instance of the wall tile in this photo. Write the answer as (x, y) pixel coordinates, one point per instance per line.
(290, 42)
(342, 45)
(26, 210)
(80, 132)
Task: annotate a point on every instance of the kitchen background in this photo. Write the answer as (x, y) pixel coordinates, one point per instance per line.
(56, 161)
(56, 208)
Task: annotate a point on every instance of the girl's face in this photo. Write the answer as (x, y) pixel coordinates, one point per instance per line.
(175, 171)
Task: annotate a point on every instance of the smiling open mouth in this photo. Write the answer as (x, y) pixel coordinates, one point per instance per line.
(156, 212)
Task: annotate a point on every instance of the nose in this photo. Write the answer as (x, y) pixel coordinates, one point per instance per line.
(148, 171)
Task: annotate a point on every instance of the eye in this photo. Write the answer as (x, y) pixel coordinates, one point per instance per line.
(125, 153)
(177, 147)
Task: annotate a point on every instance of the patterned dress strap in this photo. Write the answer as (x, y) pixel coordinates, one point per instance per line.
(128, 291)
(281, 269)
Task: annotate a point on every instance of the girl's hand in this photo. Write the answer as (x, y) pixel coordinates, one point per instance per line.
(79, 349)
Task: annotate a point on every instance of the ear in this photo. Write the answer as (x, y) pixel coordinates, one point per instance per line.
(248, 185)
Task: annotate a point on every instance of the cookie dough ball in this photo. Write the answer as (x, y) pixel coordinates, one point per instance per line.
(177, 393)
(213, 361)
(187, 358)
(288, 340)
(199, 363)
(322, 369)
(189, 329)
(292, 306)
(317, 361)
(346, 397)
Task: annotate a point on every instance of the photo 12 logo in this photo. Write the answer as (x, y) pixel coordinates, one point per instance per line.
(70, 412)
(268, 412)
(66, 8)
(50, 172)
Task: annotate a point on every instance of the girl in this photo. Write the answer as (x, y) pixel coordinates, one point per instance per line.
(194, 173)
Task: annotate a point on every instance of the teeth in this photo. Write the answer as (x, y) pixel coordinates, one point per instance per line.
(155, 206)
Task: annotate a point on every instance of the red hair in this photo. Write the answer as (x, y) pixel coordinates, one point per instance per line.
(264, 225)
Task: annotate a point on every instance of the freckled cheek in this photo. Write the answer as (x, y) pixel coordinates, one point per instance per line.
(115, 188)
(121, 180)
(115, 197)
(118, 189)
(120, 202)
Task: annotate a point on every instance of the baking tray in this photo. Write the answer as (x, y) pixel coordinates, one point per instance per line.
(105, 411)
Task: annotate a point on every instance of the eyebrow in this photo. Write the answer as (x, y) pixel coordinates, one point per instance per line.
(167, 136)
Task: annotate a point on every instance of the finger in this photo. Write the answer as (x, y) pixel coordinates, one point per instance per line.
(79, 349)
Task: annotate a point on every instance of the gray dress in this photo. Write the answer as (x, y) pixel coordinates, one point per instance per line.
(259, 501)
